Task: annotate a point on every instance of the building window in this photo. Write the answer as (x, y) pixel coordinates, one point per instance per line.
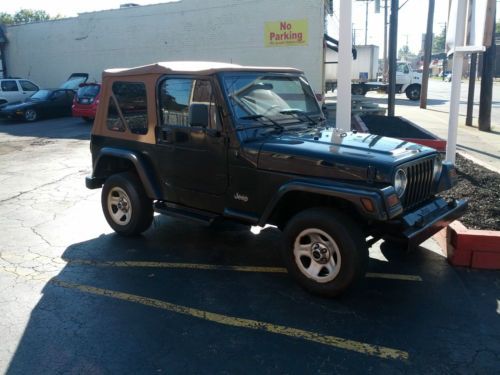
(128, 108)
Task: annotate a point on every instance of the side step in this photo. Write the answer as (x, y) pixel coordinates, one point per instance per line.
(174, 210)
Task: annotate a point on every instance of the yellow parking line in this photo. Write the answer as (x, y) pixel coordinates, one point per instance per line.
(215, 267)
(338, 342)
(393, 276)
(197, 266)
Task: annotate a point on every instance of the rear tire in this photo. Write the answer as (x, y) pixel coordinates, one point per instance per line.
(358, 90)
(325, 251)
(413, 92)
(125, 205)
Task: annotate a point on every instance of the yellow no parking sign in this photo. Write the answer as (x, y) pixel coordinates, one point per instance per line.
(286, 33)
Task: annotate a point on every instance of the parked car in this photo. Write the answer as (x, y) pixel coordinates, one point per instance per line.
(43, 103)
(16, 90)
(86, 100)
(201, 141)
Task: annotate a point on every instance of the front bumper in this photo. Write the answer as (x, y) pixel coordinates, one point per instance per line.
(93, 182)
(418, 225)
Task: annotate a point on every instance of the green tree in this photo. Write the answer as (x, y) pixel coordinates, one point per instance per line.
(6, 18)
(438, 42)
(26, 16)
(30, 15)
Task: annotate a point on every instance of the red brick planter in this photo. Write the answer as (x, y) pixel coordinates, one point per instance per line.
(470, 247)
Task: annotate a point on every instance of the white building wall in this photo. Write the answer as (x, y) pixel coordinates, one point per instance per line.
(213, 30)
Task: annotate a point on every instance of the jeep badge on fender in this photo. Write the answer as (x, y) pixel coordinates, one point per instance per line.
(186, 138)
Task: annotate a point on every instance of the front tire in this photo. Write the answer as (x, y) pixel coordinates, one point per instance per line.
(30, 115)
(125, 205)
(324, 251)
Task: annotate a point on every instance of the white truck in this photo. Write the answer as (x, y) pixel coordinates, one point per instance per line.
(364, 74)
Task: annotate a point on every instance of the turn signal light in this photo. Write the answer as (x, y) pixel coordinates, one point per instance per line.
(367, 204)
(392, 200)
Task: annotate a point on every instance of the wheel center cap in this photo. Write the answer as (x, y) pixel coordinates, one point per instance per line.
(320, 252)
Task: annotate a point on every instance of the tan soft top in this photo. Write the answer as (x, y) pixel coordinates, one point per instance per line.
(197, 67)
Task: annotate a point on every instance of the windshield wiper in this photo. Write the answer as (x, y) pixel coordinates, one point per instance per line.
(299, 112)
(264, 125)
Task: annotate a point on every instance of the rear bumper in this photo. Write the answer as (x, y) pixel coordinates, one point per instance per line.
(83, 111)
(424, 222)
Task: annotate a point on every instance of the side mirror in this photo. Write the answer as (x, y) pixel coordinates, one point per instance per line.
(198, 115)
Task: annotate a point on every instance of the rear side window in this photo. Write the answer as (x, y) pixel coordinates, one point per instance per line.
(128, 108)
(28, 86)
(9, 85)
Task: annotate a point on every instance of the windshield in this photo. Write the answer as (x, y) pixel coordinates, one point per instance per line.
(41, 94)
(270, 96)
(88, 91)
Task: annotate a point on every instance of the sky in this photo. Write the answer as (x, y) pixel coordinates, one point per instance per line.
(412, 16)
(412, 22)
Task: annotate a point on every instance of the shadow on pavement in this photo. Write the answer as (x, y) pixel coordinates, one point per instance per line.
(61, 128)
(436, 321)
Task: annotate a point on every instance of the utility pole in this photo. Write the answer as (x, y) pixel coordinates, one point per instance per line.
(386, 65)
(485, 100)
(366, 23)
(366, 19)
(445, 59)
(393, 50)
(427, 55)
(472, 84)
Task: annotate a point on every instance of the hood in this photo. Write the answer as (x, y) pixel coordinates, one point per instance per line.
(339, 155)
(15, 106)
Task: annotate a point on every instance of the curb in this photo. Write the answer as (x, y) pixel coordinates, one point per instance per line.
(470, 247)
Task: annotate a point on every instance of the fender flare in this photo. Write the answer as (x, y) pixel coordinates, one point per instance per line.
(144, 171)
(349, 193)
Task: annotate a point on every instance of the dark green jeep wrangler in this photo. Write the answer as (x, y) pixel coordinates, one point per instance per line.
(208, 140)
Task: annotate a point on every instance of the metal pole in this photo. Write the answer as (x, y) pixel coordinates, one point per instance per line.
(485, 100)
(366, 24)
(445, 59)
(427, 55)
(393, 50)
(458, 59)
(344, 68)
(385, 42)
(472, 84)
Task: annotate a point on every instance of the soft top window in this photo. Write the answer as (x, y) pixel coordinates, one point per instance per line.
(128, 107)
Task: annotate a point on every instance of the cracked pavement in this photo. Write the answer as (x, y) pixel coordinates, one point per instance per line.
(52, 227)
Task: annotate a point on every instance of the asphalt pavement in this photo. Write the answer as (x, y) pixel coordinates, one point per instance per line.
(184, 298)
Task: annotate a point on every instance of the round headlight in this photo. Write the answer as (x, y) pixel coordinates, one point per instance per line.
(400, 182)
(438, 165)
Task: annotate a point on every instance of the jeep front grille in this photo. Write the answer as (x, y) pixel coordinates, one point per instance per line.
(418, 189)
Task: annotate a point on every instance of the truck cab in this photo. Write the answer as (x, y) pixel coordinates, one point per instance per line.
(211, 141)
